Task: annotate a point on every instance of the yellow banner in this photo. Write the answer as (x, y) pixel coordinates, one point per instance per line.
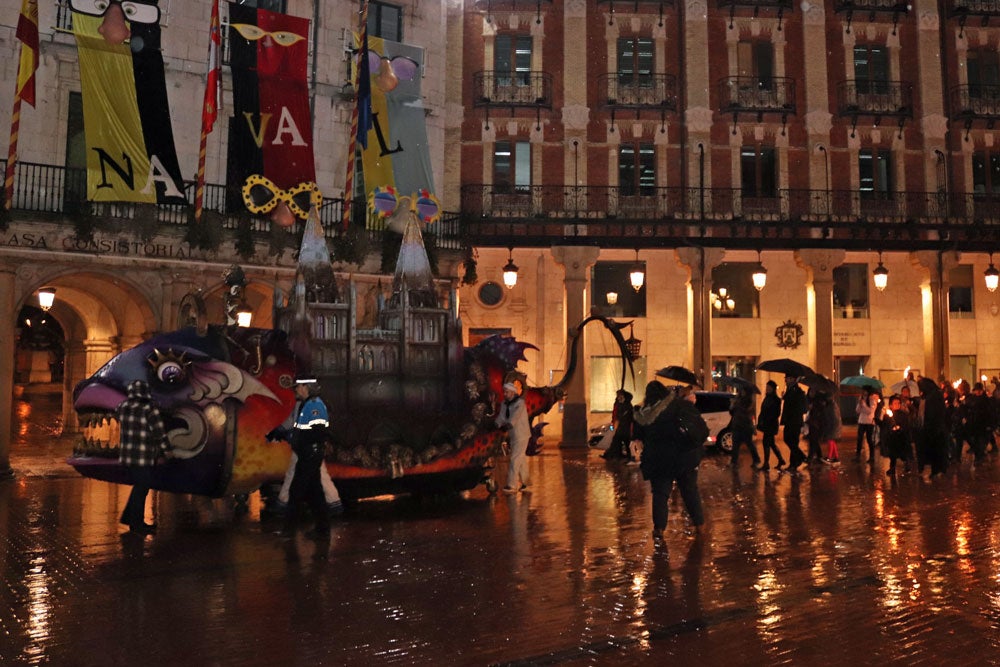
(118, 167)
(378, 167)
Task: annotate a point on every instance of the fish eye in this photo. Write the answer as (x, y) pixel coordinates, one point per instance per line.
(140, 12)
(90, 7)
(170, 372)
(248, 31)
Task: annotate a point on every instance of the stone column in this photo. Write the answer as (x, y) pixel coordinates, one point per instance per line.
(819, 265)
(8, 304)
(700, 262)
(576, 262)
(74, 371)
(937, 355)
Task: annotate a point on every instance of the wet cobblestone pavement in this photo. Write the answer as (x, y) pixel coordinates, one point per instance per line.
(838, 566)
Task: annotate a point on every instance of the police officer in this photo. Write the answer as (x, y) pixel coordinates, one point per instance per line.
(308, 440)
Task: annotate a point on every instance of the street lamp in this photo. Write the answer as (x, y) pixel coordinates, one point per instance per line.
(46, 297)
(244, 316)
(759, 275)
(637, 275)
(880, 275)
(510, 270)
(723, 302)
(992, 276)
(612, 298)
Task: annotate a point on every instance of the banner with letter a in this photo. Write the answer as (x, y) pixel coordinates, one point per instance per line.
(130, 142)
(270, 133)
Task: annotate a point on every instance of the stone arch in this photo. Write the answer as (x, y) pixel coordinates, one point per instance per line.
(101, 313)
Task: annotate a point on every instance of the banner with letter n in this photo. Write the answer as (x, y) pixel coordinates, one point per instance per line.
(130, 142)
(270, 133)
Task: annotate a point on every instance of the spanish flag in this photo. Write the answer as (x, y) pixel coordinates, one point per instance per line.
(27, 32)
(130, 142)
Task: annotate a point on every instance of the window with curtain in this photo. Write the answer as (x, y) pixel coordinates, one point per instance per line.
(875, 172)
(384, 20)
(871, 69)
(635, 61)
(512, 166)
(986, 172)
(512, 59)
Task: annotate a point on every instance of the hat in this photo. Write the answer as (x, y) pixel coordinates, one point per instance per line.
(510, 386)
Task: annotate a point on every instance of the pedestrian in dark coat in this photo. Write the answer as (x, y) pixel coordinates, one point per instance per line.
(621, 422)
(934, 431)
(143, 445)
(793, 409)
(767, 424)
(673, 434)
(896, 431)
(741, 410)
(816, 423)
(977, 420)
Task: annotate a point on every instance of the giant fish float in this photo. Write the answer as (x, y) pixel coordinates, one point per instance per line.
(411, 409)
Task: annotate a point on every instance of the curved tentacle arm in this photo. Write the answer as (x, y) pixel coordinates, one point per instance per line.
(615, 329)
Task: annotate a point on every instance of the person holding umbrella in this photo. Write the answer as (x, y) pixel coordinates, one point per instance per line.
(741, 410)
(865, 409)
(767, 424)
(793, 409)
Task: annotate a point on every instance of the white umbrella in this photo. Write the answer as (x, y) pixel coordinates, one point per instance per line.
(898, 387)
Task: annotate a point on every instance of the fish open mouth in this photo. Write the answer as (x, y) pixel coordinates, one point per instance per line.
(100, 435)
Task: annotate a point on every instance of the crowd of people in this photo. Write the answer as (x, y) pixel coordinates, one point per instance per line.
(928, 430)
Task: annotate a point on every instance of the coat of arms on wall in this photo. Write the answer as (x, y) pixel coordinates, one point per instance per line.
(789, 334)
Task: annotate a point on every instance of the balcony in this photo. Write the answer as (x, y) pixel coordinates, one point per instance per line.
(984, 10)
(872, 8)
(756, 5)
(975, 102)
(52, 193)
(621, 217)
(876, 99)
(654, 92)
(512, 89)
(758, 96)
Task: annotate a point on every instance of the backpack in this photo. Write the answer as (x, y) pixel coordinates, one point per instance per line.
(687, 428)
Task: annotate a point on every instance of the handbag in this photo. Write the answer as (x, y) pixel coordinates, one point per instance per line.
(605, 440)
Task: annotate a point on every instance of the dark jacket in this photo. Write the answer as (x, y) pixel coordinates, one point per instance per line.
(770, 410)
(794, 408)
(143, 438)
(673, 438)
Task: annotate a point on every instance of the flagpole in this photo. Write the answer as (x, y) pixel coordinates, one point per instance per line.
(209, 109)
(15, 126)
(352, 144)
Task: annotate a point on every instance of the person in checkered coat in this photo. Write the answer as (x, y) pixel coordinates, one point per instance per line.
(143, 445)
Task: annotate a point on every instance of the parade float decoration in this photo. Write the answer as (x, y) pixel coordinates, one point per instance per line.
(411, 409)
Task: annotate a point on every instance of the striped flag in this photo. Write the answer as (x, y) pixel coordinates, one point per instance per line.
(210, 107)
(27, 32)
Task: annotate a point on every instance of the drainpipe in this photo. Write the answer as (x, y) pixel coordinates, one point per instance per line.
(701, 180)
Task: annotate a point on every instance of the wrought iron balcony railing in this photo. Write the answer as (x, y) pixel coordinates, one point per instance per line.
(656, 92)
(875, 98)
(60, 191)
(579, 204)
(984, 9)
(975, 102)
(751, 94)
(512, 89)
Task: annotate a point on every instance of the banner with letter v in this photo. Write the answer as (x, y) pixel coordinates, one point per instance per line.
(270, 133)
(130, 144)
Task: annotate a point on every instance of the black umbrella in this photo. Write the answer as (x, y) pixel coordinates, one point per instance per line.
(819, 382)
(678, 374)
(786, 366)
(738, 383)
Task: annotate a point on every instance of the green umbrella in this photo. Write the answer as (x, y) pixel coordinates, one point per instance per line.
(862, 381)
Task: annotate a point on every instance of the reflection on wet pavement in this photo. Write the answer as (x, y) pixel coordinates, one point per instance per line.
(839, 565)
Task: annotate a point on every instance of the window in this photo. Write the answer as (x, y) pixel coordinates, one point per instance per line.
(635, 61)
(278, 6)
(875, 172)
(612, 278)
(512, 166)
(755, 61)
(637, 169)
(512, 60)
(733, 293)
(983, 68)
(871, 69)
(960, 292)
(490, 293)
(385, 21)
(850, 291)
(758, 171)
(985, 172)
(606, 379)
